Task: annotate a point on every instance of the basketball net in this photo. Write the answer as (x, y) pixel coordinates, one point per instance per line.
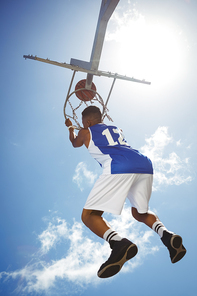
(72, 113)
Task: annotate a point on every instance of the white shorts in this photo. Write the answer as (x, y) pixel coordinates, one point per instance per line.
(110, 192)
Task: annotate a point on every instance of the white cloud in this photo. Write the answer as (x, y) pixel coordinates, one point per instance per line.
(125, 23)
(83, 175)
(178, 143)
(82, 260)
(169, 169)
(52, 235)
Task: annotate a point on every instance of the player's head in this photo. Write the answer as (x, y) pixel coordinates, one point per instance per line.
(91, 116)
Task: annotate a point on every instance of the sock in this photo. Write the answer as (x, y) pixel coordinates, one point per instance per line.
(159, 228)
(110, 235)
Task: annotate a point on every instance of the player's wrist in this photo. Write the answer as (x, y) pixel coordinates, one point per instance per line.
(71, 128)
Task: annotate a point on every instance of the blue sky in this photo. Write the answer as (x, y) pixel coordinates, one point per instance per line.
(45, 249)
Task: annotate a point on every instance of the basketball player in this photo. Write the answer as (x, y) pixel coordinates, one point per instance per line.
(126, 174)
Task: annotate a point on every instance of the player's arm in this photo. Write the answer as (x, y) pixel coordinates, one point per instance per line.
(77, 140)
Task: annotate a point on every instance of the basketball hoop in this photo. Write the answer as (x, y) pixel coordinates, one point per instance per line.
(84, 98)
(88, 95)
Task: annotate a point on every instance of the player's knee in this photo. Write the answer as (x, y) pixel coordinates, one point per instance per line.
(136, 215)
(88, 214)
(85, 216)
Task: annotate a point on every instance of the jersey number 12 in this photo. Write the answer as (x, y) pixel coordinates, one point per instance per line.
(110, 139)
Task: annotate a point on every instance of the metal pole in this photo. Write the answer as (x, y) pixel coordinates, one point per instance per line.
(109, 95)
(71, 83)
(69, 91)
(106, 10)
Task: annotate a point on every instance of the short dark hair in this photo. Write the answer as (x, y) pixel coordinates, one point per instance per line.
(92, 110)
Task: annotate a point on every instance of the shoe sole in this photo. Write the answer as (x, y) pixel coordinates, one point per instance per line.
(176, 243)
(114, 268)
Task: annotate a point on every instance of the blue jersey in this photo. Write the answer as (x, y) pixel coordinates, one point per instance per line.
(108, 146)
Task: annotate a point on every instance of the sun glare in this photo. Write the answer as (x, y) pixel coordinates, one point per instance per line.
(149, 51)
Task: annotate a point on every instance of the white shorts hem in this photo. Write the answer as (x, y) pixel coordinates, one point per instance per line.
(110, 192)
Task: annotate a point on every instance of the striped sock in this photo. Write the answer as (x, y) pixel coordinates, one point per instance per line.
(111, 235)
(159, 228)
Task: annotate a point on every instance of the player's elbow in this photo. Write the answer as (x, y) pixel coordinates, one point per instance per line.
(74, 145)
(77, 144)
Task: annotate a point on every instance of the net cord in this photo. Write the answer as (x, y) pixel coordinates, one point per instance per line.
(74, 116)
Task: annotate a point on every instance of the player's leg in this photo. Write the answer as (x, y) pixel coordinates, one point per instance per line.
(172, 241)
(109, 194)
(148, 218)
(95, 222)
(122, 249)
(139, 197)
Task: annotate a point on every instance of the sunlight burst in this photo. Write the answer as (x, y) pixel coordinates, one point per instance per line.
(148, 50)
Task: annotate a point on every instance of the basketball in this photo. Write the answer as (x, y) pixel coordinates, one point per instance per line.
(84, 94)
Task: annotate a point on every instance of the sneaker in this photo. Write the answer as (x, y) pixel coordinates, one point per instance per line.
(174, 244)
(122, 251)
